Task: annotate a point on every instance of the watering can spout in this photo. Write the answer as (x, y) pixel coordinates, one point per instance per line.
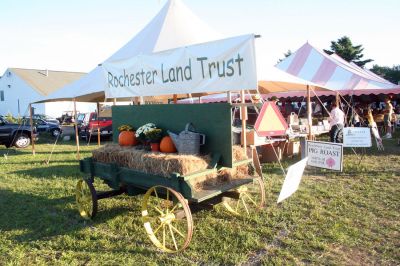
(174, 137)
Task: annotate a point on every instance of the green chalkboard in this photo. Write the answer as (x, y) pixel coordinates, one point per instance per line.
(213, 120)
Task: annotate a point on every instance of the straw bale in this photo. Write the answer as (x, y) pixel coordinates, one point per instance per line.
(156, 163)
(238, 153)
(165, 164)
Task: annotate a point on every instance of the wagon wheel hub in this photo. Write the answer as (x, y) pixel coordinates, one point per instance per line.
(167, 218)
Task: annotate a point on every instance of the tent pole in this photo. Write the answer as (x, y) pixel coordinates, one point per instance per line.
(98, 124)
(76, 132)
(141, 100)
(243, 111)
(31, 122)
(115, 101)
(309, 112)
(337, 99)
(229, 96)
(175, 98)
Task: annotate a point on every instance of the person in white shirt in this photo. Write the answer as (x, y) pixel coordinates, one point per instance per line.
(336, 121)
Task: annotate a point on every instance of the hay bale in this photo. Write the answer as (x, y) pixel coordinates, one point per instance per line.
(238, 153)
(150, 162)
(164, 164)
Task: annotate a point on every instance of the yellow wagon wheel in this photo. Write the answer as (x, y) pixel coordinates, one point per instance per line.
(167, 219)
(86, 199)
(251, 197)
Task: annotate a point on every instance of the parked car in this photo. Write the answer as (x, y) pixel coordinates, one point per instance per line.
(43, 126)
(46, 118)
(18, 135)
(90, 124)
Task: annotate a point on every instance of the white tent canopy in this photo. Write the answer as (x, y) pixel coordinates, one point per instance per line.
(174, 26)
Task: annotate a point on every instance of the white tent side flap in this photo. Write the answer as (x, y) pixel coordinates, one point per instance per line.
(222, 65)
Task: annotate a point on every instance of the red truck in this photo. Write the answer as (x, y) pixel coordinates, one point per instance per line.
(88, 123)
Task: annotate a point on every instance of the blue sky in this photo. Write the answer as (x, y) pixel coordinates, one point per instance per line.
(76, 35)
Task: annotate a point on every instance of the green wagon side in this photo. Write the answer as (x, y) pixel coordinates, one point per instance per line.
(169, 202)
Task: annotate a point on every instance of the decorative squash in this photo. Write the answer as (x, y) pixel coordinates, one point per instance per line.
(167, 145)
(127, 138)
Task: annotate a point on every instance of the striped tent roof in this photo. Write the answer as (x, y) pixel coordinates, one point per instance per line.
(333, 72)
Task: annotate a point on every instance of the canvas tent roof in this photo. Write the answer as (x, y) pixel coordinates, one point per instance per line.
(333, 72)
(174, 26)
(275, 81)
(46, 81)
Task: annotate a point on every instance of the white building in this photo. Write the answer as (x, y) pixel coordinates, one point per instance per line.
(20, 87)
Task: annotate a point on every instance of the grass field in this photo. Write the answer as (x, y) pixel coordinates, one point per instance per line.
(334, 218)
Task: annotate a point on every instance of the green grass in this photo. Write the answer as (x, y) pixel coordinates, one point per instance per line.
(334, 218)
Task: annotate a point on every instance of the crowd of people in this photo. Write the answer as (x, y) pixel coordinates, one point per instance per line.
(384, 116)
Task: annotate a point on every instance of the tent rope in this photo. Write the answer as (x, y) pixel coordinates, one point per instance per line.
(55, 142)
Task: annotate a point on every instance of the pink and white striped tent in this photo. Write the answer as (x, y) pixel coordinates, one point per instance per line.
(333, 72)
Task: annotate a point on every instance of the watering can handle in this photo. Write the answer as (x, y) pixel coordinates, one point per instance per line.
(189, 126)
(202, 139)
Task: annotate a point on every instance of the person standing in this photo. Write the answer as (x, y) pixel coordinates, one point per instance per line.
(336, 121)
(387, 119)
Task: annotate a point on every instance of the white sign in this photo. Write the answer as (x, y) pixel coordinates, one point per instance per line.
(357, 137)
(223, 65)
(325, 155)
(292, 180)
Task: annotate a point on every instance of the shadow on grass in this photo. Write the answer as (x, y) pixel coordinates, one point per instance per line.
(33, 217)
(49, 171)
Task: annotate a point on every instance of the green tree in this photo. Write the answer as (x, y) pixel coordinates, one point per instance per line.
(349, 52)
(391, 74)
(287, 54)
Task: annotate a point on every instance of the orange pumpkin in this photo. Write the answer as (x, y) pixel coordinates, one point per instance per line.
(167, 145)
(127, 138)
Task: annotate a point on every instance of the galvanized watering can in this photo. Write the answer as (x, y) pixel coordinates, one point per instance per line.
(188, 141)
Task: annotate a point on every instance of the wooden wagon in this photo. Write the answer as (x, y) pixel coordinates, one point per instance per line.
(169, 202)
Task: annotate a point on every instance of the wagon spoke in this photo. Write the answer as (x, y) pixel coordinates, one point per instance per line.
(237, 205)
(158, 210)
(173, 236)
(176, 230)
(176, 206)
(164, 235)
(167, 204)
(245, 206)
(157, 198)
(248, 196)
(158, 228)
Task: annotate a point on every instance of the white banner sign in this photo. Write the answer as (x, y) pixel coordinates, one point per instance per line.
(357, 137)
(292, 180)
(325, 155)
(223, 65)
